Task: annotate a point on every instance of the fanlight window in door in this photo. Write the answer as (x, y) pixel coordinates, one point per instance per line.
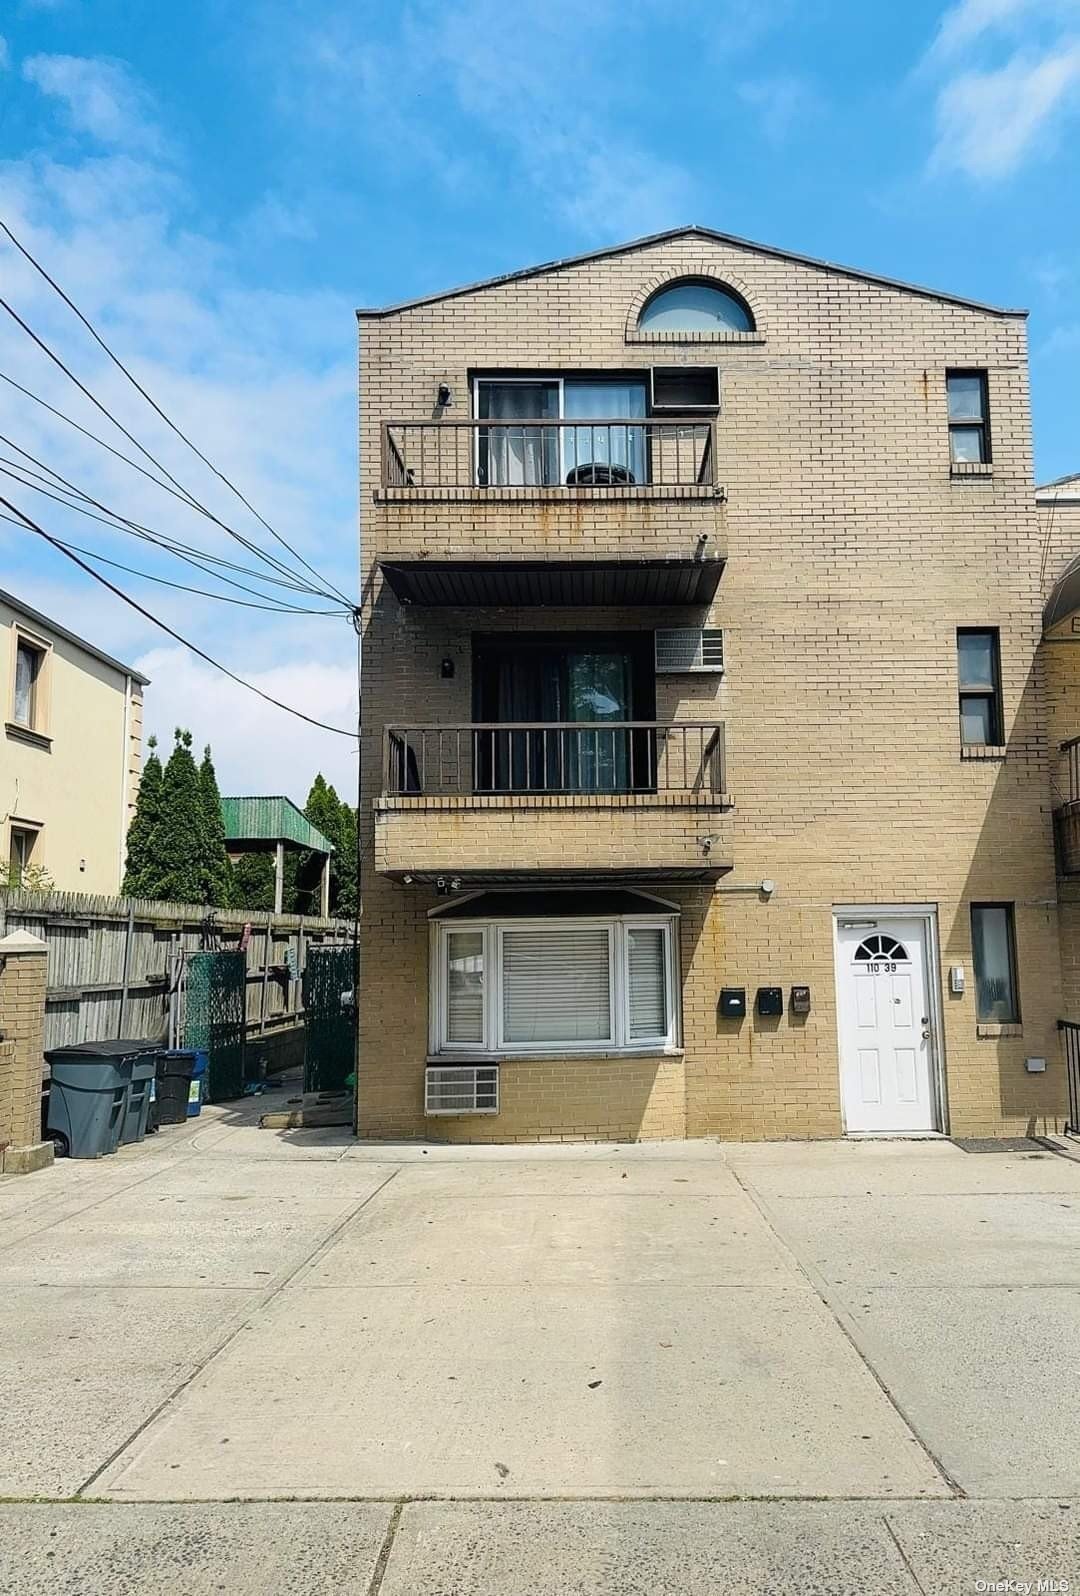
(880, 947)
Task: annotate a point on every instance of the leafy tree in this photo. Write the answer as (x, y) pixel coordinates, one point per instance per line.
(175, 869)
(215, 869)
(146, 816)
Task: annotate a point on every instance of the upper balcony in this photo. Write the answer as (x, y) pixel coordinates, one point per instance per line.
(549, 460)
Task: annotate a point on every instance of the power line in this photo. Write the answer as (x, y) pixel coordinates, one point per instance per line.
(156, 407)
(33, 526)
(182, 587)
(118, 523)
(301, 584)
(185, 493)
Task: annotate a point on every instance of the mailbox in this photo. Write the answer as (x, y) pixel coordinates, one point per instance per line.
(733, 1003)
(799, 1000)
(770, 1001)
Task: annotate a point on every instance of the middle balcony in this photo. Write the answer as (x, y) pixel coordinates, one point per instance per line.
(480, 804)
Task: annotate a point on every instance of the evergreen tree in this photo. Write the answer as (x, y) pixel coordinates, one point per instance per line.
(146, 816)
(337, 822)
(174, 869)
(215, 869)
(253, 882)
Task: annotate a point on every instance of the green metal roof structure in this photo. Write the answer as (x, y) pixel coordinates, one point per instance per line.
(253, 821)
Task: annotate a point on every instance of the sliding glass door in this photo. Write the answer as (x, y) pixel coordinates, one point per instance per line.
(604, 448)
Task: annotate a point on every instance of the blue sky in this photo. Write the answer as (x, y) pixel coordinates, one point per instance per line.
(220, 184)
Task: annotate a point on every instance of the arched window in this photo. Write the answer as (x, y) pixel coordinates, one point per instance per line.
(695, 307)
(882, 947)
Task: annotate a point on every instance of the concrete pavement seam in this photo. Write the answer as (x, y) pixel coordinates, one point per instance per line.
(919, 1586)
(379, 1572)
(233, 1325)
(839, 1315)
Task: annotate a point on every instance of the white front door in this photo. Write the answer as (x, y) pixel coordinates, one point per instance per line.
(885, 1023)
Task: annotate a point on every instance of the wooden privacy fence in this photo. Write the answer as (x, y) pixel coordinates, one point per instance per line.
(113, 962)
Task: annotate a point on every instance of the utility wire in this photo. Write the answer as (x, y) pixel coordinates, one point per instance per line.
(92, 330)
(117, 523)
(187, 496)
(301, 584)
(182, 587)
(33, 526)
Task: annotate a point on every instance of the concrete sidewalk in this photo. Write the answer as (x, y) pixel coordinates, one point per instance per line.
(641, 1365)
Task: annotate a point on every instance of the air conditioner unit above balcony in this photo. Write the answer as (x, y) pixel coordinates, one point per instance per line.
(683, 649)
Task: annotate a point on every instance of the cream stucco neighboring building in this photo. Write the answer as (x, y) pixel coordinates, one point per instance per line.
(70, 752)
(707, 762)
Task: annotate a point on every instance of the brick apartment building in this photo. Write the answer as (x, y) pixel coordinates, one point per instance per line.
(706, 739)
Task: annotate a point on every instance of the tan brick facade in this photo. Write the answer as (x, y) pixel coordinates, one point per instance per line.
(853, 555)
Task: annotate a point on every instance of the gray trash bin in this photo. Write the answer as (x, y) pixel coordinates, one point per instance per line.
(90, 1090)
(139, 1094)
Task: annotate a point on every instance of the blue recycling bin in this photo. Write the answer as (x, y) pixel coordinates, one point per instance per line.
(197, 1091)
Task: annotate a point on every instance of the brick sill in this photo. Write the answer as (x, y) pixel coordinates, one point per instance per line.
(518, 803)
(977, 751)
(26, 734)
(971, 470)
(989, 1033)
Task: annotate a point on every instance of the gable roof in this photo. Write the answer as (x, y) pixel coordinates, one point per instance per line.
(49, 625)
(688, 232)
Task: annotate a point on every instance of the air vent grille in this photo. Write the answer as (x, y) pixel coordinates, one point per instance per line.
(461, 1089)
(689, 648)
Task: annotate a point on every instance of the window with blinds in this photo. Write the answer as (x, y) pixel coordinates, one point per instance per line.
(556, 987)
(465, 987)
(646, 979)
(518, 986)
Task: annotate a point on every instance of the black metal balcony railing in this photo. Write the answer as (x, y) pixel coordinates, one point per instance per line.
(1071, 1037)
(613, 455)
(1067, 814)
(557, 758)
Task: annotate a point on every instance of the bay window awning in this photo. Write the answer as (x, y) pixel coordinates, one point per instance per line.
(564, 583)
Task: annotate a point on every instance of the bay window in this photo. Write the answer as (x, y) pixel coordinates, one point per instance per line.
(571, 985)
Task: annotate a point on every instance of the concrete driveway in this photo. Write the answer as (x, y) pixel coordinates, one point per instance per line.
(684, 1367)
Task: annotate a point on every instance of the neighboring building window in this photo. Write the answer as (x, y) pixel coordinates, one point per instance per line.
(575, 985)
(19, 855)
(695, 307)
(969, 417)
(26, 710)
(993, 952)
(979, 674)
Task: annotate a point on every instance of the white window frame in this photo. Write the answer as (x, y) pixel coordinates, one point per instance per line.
(493, 1044)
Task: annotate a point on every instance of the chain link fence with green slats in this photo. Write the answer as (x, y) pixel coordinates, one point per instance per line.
(214, 1018)
(330, 1048)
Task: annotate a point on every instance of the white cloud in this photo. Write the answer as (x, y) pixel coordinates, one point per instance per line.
(525, 76)
(100, 98)
(1009, 74)
(968, 21)
(263, 381)
(256, 748)
(988, 123)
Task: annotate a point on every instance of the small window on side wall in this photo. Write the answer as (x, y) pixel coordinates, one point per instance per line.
(20, 854)
(969, 417)
(978, 662)
(993, 955)
(26, 706)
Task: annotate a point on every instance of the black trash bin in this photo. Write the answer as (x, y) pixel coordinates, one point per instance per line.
(90, 1088)
(175, 1068)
